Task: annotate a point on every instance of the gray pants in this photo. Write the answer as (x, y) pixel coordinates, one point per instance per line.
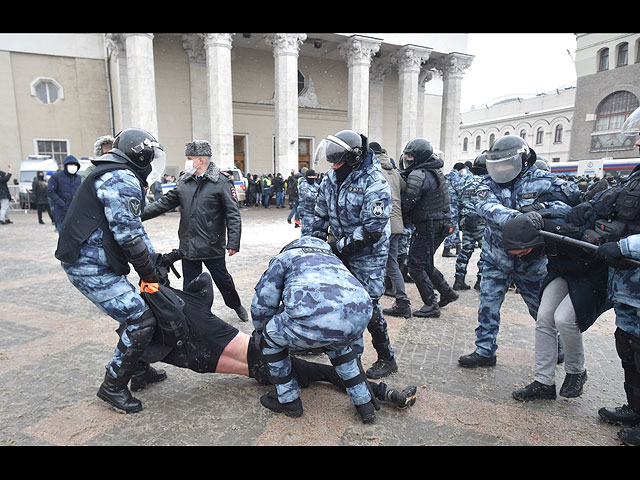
(556, 314)
(4, 209)
(393, 269)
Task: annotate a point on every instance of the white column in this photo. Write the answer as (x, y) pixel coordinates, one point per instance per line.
(200, 123)
(358, 50)
(285, 52)
(408, 59)
(452, 67)
(424, 76)
(377, 73)
(218, 50)
(141, 82)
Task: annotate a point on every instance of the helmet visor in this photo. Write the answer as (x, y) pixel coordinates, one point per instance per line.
(332, 150)
(158, 165)
(631, 126)
(406, 160)
(504, 169)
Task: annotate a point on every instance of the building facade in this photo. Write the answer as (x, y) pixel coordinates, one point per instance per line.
(607, 91)
(264, 101)
(543, 120)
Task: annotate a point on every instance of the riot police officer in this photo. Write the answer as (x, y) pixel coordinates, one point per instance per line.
(307, 193)
(101, 235)
(425, 204)
(620, 206)
(307, 299)
(471, 224)
(352, 212)
(513, 182)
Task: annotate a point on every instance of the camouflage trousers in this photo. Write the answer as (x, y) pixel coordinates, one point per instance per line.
(493, 288)
(115, 296)
(470, 236)
(306, 224)
(282, 334)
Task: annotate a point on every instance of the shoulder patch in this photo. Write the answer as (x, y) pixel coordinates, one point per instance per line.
(378, 208)
(226, 174)
(135, 207)
(482, 194)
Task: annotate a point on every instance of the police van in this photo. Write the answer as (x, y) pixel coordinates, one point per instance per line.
(29, 168)
(239, 181)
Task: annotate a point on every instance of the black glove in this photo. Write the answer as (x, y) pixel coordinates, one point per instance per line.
(610, 252)
(333, 243)
(534, 207)
(536, 219)
(578, 215)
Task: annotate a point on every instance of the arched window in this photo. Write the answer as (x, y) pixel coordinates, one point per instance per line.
(610, 115)
(603, 60)
(622, 58)
(465, 144)
(492, 139)
(557, 137)
(523, 134)
(478, 142)
(539, 136)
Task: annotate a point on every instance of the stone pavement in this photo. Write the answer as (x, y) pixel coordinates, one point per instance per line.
(55, 344)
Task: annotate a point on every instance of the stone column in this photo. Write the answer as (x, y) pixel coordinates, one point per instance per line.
(285, 52)
(377, 73)
(141, 81)
(218, 51)
(200, 124)
(408, 59)
(358, 50)
(425, 76)
(451, 67)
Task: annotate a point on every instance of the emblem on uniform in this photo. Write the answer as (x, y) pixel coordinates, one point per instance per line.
(482, 194)
(135, 207)
(378, 208)
(356, 189)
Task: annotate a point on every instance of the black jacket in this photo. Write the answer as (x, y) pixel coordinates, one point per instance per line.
(208, 210)
(4, 187)
(426, 196)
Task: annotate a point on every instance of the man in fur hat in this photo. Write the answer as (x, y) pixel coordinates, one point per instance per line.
(209, 220)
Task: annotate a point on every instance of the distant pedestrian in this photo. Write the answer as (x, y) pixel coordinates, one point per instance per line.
(62, 187)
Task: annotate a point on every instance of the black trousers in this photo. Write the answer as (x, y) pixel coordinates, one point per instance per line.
(44, 207)
(628, 349)
(221, 277)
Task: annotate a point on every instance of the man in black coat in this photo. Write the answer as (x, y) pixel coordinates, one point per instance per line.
(5, 197)
(209, 214)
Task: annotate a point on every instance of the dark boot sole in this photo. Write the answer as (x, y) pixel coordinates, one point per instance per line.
(136, 387)
(108, 401)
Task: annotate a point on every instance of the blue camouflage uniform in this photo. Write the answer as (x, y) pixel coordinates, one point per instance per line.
(91, 272)
(498, 205)
(308, 299)
(455, 180)
(307, 194)
(349, 212)
(471, 224)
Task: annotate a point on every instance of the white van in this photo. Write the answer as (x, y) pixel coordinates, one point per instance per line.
(239, 181)
(29, 168)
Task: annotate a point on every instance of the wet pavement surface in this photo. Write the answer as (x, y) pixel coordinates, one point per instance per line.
(55, 344)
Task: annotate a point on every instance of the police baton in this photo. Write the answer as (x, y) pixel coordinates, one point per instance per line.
(580, 243)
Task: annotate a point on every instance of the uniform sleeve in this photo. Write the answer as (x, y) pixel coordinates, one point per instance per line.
(269, 290)
(630, 246)
(413, 189)
(121, 194)
(166, 203)
(232, 214)
(490, 208)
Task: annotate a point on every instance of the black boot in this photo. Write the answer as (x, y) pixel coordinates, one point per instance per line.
(477, 285)
(146, 376)
(428, 310)
(291, 409)
(459, 283)
(572, 385)
(624, 415)
(474, 360)
(447, 253)
(535, 391)
(114, 391)
(405, 398)
(401, 308)
(447, 297)
(367, 412)
(630, 436)
(382, 368)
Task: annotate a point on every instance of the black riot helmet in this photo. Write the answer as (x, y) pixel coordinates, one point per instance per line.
(345, 146)
(140, 149)
(508, 158)
(418, 148)
(480, 165)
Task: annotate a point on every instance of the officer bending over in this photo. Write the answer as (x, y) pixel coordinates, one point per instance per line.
(101, 235)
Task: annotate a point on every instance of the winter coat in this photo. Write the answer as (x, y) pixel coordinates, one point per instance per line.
(39, 189)
(397, 184)
(208, 211)
(4, 185)
(62, 187)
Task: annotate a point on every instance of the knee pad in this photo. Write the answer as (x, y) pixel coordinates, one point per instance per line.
(141, 336)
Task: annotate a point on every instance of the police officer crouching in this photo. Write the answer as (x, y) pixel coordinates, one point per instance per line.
(101, 235)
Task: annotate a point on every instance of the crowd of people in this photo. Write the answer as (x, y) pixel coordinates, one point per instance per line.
(368, 226)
